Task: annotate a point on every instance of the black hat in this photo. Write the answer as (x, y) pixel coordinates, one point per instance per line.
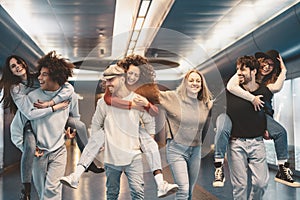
(271, 54)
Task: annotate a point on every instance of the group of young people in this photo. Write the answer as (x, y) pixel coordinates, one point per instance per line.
(124, 124)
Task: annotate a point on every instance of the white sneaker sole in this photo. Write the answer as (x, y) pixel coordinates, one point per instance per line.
(219, 183)
(295, 184)
(171, 191)
(65, 182)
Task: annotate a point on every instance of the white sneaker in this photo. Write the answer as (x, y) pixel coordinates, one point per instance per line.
(166, 189)
(70, 181)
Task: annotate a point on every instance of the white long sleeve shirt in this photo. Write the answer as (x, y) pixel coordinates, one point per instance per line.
(121, 129)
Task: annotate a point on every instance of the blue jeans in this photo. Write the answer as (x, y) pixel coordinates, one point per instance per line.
(134, 173)
(243, 155)
(276, 132)
(28, 153)
(185, 165)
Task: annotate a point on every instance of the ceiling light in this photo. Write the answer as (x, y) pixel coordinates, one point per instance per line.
(144, 8)
(135, 35)
(139, 23)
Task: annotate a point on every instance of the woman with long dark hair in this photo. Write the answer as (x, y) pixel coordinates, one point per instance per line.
(17, 81)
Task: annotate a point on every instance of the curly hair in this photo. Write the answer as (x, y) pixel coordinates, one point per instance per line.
(146, 85)
(60, 69)
(248, 61)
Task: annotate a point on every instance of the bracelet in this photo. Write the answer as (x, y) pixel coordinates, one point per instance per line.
(148, 105)
(130, 104)
(52, 109)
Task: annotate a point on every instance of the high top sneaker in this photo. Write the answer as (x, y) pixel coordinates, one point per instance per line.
(284, 176)
(219, 175)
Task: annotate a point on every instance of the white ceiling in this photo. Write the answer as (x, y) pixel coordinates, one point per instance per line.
(191, 30)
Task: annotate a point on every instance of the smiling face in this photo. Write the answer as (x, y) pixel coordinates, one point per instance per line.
(244, 73)
(46, 82)
(194, 84)
(266, 67)
(133, 75)
(17, 68)
(114, 84)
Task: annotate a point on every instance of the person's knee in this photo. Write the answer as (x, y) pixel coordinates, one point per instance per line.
(260, 183)
(279, 133)
(80, 126)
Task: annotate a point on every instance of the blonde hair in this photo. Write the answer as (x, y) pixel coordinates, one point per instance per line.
(203, 95)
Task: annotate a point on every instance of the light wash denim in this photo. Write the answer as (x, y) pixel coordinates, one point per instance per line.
(134, 174)
(276, 132)
(28, 153)
(243, 155)
(185, 165)
(47, 170)
(223, 132)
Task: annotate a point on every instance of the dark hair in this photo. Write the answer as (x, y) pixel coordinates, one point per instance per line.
(132, 59)
(271, 77)
(8, 80)
(248, 61)
(60, 69)
(146, 85)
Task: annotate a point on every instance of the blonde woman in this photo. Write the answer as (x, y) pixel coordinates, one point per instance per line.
(187, 112)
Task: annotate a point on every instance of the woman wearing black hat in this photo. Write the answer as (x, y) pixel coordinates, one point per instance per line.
(272, 73)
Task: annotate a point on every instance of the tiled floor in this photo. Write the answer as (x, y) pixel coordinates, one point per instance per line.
(92, 186)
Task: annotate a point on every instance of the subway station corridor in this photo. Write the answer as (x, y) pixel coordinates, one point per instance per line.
(92, 186)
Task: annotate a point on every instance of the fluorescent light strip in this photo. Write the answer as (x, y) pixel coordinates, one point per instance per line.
(144, 8)
(132, 44)
(139, 23)
(135, 35)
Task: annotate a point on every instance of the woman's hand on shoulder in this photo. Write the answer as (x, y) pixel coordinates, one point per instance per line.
(137, 107)
(140, 101)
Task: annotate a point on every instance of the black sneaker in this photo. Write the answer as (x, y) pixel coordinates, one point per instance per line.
(219, 175)
(24, 196)
(95, 169)
(284, 176)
